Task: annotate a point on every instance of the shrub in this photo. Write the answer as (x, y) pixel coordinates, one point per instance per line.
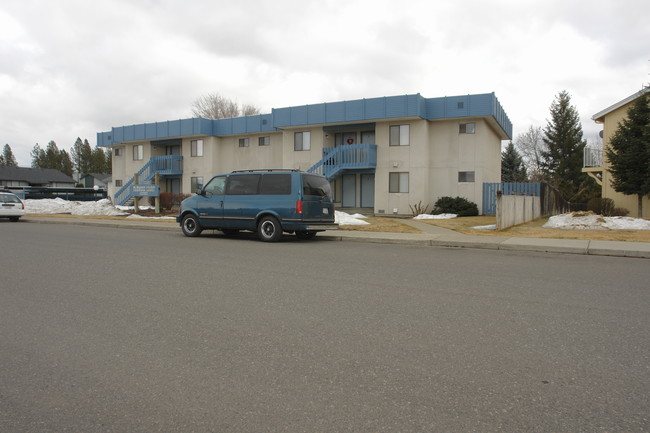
(619, 211)
(418, 209)
(166, 200)
(456, 205)
(601, 206)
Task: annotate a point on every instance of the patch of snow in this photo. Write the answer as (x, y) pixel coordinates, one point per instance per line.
(134, 216)
(591, 221)
(344, 219)
(442, 216)
(487, 227)
(60, 206)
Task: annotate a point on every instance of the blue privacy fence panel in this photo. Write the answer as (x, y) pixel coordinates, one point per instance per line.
(508, 188)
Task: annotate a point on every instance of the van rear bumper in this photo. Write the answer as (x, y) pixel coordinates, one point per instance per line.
(305, 226)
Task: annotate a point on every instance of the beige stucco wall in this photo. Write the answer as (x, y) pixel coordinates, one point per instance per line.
(629, 202)
(435, 155)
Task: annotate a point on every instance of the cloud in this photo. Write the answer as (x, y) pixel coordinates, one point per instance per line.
(80, 67)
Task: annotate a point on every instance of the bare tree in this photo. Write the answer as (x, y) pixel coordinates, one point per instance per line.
(530, 145)
(215, 106)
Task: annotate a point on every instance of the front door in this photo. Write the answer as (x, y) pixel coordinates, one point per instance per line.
(349, 190)
(368, 190)
(368, 137)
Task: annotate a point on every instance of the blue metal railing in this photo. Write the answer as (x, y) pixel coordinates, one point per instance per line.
(167, 165)
(336, 159)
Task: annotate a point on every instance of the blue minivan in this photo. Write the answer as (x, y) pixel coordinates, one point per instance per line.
(268, 202)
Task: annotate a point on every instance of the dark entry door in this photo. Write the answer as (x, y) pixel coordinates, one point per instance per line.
(368, 190)
(349, 190)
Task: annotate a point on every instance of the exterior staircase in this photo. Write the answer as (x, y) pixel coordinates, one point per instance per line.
(344, 158)
(168, 165)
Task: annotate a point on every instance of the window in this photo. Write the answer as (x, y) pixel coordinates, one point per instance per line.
(316, 185)
(398, 182)
(465, 176)
(243, 184)
(302, 140)
(275, 184)
(265, 141)
(466, 128)
(196, 148)
(461, 105)
(196, 183)
(243, 142)
(215, 186)
(118, 183)
(118, 151)
(399, 135)
(138, 152)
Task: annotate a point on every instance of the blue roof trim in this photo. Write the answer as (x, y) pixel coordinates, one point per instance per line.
(358, 110)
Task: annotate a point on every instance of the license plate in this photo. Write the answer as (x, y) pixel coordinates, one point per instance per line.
(326, 211)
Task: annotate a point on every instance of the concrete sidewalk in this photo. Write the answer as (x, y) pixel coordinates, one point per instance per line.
(431, 236)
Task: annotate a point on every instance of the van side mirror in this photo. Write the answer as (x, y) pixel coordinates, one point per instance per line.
(199, 190)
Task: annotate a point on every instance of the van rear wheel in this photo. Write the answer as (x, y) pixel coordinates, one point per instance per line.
(269, 229)
(306, 234)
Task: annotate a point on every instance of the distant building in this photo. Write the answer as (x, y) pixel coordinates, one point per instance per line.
(380, 154)
(596, 165)
(100, 180)
(34, 177)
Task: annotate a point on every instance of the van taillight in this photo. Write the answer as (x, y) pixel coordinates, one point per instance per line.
(299, 207)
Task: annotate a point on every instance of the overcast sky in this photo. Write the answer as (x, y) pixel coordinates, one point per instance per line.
(72, 68)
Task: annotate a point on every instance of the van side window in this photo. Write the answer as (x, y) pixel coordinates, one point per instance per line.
(243, 184)
(215, 186)
(276, 184)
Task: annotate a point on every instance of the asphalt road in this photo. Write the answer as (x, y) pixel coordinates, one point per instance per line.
(116, 330)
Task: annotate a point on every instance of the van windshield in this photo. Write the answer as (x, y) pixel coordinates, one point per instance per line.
(316, 185)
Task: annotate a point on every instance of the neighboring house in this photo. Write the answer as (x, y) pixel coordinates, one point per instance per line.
(382, 154)
(100, 180)
(596, 165)
(34, 177)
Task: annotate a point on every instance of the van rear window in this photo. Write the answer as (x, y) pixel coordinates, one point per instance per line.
(316, 185)
(276, 184)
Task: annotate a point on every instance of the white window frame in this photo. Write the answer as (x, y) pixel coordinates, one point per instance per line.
(402, 137)
(196, 148)
(467, 128)
(138, 152)
(195, 181)
(303, 143)
(466, 176)
(398, 182)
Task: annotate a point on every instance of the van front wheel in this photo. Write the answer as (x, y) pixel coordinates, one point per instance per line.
(191, 226)
(269, 229)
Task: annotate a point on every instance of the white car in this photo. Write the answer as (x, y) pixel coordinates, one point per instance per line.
(11, 206)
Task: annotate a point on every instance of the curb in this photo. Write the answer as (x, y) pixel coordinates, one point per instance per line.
(640, 250)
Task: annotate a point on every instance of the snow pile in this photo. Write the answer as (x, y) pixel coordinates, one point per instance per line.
(344, 219)
(443, 216)
(591, 221)
(60, 206)
(487, 227)
(134, 216)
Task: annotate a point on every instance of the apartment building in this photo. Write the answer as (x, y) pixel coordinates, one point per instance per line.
(380, 154)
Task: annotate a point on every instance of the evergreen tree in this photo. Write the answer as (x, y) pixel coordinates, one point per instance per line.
(51, 157)
(512, 165)
(628, 152)
(65, 163)
(38, 156)
(109, 162)
(98, 161)
(7, 158)
(562, 162)
(81, 156)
